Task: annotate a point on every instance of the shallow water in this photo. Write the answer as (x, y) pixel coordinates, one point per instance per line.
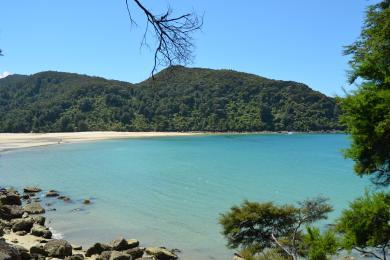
(170, 191)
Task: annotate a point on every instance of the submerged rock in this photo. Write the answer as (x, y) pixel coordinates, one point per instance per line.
(97, 249)
(34, 208)
(86, 202)
(52, 193)
(58, 248)
(161, 253)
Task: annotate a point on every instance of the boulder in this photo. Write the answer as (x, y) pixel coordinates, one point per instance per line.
(75, 257)
(52, 193)
(8, 252)
(136, 252)
(116, 255)
(119, 244)
(24, 253)
(37, 250)
(22, 224)
(105, 255)
(38, 219)
(32, 189)
(41, 231)
(8, 212)
(58, 248)
(161, 253)
(34, 208)
(10, 197)
(132, 243)
(97, 249)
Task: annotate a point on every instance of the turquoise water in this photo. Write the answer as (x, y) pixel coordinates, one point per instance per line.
(170, 191)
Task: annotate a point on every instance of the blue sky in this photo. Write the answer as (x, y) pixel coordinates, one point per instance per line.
(298, 40)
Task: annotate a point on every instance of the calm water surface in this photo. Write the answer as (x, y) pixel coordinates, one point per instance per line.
(170, 191)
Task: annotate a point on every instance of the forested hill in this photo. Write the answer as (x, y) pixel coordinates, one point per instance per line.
(178, 99)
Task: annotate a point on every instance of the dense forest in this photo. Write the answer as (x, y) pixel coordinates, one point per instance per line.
(177, 99)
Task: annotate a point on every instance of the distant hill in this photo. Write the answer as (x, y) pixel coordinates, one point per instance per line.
(178, 99)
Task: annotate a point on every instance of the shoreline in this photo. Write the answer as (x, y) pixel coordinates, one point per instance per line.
(15, 141)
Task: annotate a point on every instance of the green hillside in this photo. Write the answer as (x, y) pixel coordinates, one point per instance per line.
(178, 99)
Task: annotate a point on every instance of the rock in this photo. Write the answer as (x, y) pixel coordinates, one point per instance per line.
(58, 248)
(52, 193)
(8, 252)
(1, 231)
(237, 257)
(38, 219)
(160, 253)
(34, 208)
(25, 196)
(15, 241)
(136, 252)
(41, 231)
(119, 244)
(116, 255)
(36, 200)
(22, 224)
(25, 215)
(21, 233)
(37, 250)
(8, 212)
(5, 223)
(86, 202)
(132, 243)
(77, 247)
(97, 249)
(105, 255)
(10, 197)
(32, 189)
(64, 198)
(24, 253)
(147, 258)
(75, 257)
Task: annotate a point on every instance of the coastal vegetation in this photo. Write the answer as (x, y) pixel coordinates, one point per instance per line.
(177, 99)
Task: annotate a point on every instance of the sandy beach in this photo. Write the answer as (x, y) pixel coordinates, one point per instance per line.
(11, 141)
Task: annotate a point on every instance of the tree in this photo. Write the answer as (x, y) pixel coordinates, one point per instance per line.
(173, 34)
(367, 110)
(366, 225)
(262, 226)
(319, 246)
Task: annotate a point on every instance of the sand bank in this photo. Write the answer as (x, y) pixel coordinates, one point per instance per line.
(10, 141)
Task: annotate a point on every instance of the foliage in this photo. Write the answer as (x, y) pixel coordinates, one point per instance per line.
(178, 99)
(366, 224)
(319, 246)
(367, 110)
(261, 226)
(270, 254)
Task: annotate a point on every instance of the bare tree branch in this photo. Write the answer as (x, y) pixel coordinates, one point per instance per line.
(173, 35)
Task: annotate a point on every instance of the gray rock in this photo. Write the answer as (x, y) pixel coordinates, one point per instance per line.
(58, 248)
(77, 247)
(34, 208)
(10, 197)
(97, 249)
(21, 233)
(8, 212)
(52, 193)
(38, 219)
(8, 252)
(32, 189)
(147, 258)
(161, 253)
(132, 243)
(24, 253)
(75, 257)
(41, 231)
(116, 255)
(119, 244)
(37, 250)
(136, 252)
(22, 224)
(105, 255)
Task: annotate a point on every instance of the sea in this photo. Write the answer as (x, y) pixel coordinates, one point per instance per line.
(171, 191)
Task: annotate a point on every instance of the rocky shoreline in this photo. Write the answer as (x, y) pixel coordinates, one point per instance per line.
(24, 235)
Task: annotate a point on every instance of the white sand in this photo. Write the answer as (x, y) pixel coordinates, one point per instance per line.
(10, 141)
